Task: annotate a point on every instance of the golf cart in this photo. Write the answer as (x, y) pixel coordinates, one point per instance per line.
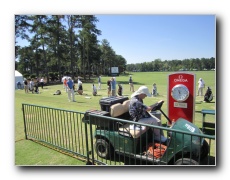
(133, 140)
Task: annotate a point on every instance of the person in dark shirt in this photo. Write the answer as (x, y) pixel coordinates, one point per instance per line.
(139, 112)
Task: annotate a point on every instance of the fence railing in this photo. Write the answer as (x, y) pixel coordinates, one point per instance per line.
(110, 141)
(59, 128)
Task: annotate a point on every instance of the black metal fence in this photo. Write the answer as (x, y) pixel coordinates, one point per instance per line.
(104, 140)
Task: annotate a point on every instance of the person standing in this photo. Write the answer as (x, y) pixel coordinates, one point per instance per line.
(65, 85)
(109, 87)
(36, 86)
(99, 82)
(94, 90)
(71, 95)
(19, 86)
(42, 82)
(154, 89)
(26, 86)
(31, 85)
(131, 87)
(139, 112)
(201, 86)
(113, 86)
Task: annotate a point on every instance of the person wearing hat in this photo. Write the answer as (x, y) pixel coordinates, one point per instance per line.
(70, 85)
(139, 112)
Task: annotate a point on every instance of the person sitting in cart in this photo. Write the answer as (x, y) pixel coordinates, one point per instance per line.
(139, 112)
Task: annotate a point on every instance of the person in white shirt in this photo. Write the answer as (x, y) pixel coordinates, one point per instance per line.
(42, 82)
(31, 85)
(201, 86)
(94, 90)
(99, 82)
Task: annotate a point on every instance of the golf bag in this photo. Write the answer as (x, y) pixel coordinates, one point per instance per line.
(58, 92)
(119, 90)
(208, 97)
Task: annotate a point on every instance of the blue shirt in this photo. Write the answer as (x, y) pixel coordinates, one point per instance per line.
(113, 84)
(70, 84)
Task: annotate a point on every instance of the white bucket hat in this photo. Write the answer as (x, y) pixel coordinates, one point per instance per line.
(141, 90)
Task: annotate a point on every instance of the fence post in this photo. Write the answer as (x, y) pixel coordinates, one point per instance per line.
(24, 119)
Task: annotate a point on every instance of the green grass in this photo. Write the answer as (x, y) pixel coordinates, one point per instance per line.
(30, 153)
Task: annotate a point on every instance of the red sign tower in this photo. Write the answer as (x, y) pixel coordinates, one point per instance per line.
(181, 96)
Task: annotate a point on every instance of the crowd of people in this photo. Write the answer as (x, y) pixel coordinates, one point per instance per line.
(32, 85)
(113, 88)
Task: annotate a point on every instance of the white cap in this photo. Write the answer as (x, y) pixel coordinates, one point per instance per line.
(142, 90)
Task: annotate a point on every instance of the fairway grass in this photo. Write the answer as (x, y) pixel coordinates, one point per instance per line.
(31, 153)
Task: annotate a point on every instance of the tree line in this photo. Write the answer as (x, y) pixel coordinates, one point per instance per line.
(68, 45)
(63, 45)
(193, 64)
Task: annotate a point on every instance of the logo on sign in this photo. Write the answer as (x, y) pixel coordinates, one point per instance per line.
(180, 79)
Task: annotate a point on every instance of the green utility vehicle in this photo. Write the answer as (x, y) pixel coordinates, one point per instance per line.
(185, 144)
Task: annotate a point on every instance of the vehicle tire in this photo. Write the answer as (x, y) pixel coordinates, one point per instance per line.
(204, 150)
(102, 148)
(186, 161)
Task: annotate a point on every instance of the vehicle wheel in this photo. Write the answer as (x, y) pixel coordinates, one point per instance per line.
(102, 148)
(186, 161)
(204, 150)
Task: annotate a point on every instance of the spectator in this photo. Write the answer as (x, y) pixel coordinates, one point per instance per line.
(94, 90)
(154, 92)
(19, 85)
(65, 85)
(113, 86)
(131, 87)
(31, 85)
(26, 87)
(36, 87)
(109, 87)
(42, 82)
(80, 88)
(71, 95)
(201, 86)
(99, 82)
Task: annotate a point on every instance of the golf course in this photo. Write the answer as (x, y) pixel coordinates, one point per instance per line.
(30, 153)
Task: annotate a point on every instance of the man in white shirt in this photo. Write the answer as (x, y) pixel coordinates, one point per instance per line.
(201, 86)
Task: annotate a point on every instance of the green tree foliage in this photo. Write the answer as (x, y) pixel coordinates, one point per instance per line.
(67, 45)
(174, 65)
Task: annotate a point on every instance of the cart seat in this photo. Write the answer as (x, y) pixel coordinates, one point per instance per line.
(122, 111)
(118, 109)
(132, 130)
